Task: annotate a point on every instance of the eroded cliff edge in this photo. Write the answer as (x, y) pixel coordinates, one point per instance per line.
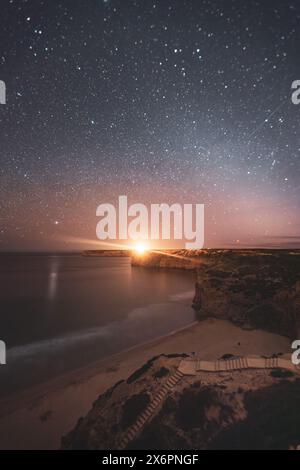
(251, 288)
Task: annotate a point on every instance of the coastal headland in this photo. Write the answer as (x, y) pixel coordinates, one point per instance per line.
(254, 289)
(181, 401)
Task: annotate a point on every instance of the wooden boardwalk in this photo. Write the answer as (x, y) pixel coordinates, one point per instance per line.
(193, 366)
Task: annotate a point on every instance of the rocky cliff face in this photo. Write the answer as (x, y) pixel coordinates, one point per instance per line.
(173, 259)
(248, 409)
(251, 288)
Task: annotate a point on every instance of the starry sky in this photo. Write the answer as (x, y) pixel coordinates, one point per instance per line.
(184, 101)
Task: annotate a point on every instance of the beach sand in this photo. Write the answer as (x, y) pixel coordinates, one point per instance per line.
(39, 417)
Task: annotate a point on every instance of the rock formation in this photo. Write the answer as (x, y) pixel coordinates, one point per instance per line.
(248, 409)
(251, 288)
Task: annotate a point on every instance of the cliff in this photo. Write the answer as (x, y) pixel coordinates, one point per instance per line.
(251, 288)
(170, 259)
(248, 409)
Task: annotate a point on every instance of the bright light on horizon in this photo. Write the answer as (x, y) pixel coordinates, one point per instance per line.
(140, 248)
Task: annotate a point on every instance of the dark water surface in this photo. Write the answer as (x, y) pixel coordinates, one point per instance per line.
(61, 312)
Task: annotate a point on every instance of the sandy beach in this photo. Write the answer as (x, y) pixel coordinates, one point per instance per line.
(39, 417)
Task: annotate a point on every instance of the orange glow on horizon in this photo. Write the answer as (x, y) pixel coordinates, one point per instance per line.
(140, 248)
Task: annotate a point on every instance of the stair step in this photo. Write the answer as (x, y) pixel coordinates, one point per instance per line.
(131, 434)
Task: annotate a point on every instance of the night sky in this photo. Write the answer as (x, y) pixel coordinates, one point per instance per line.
(166, 101)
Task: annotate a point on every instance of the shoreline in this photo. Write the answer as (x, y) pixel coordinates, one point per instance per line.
(81, 373)
(53, 408)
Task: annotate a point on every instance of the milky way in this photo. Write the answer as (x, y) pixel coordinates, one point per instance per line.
(164, 101)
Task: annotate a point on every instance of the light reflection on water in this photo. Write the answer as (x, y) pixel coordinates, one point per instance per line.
(61, 312)
(52, 280)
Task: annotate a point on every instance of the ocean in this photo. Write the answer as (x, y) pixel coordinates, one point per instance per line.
(62, 312)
